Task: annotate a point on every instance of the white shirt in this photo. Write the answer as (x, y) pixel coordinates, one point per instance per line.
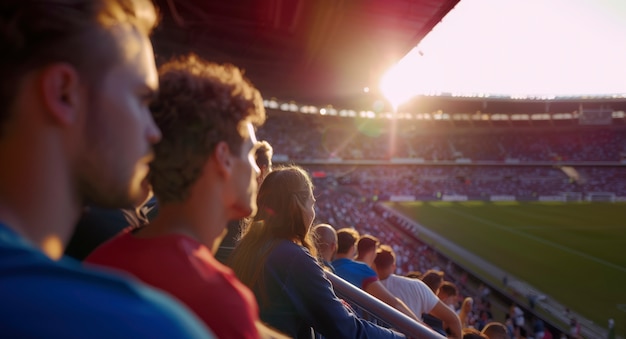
(413, 292)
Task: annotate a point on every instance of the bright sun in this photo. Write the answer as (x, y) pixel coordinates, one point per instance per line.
(518, 47)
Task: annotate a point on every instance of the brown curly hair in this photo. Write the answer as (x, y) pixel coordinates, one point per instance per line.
(199, 105)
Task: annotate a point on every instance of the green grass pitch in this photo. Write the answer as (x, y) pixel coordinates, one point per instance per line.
(572, 252)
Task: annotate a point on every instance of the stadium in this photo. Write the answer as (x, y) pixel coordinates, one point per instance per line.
(515, 193)
(313, 169)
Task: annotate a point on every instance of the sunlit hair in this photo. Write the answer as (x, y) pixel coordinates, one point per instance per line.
(199, 105)
(281, 203)
(495, 330)
(263, 154)
(385, 257)
(81, 33)
(433, 279)
(324, 236)
(472, 333)
(414, 275)
(448, 288)
(346, 238)
(366, 244)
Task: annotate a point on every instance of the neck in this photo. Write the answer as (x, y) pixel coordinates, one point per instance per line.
(201, 222)
(328, 256)
(367, 258)
(344, 255)
(38, 200)
(383, 275)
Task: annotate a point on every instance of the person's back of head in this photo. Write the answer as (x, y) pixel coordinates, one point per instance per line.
(385, 261)
(433, 278)
(263, 157)
(285, 212)
(346, 240)
(495, 330)
(448, 288)
(414, 275)
(367, 244)
(325, 238)
(448, 292)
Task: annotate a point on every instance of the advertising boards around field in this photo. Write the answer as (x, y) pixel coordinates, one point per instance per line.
(398, 198)
(454, 197)
(407, 161)
(502, 198)
(551, 198)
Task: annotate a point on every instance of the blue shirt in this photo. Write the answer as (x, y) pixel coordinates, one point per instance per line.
(357, 273)
(42, 298)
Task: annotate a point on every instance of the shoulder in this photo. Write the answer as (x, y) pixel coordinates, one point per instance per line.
(85, 302)
(413, 283)
(364, 268)
(113, 247)
(288, 252)
(288, 259)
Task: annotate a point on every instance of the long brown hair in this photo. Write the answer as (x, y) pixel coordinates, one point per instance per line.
(281, 201)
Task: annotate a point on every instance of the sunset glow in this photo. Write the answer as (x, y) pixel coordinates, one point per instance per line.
(518, 48)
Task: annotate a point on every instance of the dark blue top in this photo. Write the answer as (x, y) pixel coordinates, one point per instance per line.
(299, 298)
(42, 298)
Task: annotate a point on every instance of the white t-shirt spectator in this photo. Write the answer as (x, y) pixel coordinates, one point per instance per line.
(415, 294)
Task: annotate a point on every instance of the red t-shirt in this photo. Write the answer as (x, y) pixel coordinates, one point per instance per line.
(187, 270)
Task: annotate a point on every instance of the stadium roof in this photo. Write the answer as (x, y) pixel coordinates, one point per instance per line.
(320, 52)
(313, 51)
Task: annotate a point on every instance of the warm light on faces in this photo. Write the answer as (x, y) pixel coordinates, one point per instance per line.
(120, 130)
(309, 211)
(253, 141)
(245, 177)
(145, 93)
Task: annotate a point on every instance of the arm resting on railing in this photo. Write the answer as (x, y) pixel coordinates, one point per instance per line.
(386, 313)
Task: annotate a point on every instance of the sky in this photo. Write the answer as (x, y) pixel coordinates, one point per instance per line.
(518, 48)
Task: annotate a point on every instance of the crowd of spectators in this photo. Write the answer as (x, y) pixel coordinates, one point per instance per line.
(426, 182)
(305, 137)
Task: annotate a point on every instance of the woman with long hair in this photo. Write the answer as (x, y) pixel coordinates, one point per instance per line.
(276, 259)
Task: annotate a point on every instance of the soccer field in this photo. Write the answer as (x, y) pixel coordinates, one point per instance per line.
(573, 252)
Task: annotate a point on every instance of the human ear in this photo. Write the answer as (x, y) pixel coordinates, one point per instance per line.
(62, 93)
(223, 158)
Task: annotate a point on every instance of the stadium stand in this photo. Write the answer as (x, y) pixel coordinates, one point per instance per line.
(353, 171)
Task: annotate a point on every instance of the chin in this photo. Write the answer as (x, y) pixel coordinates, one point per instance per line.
(244, 212)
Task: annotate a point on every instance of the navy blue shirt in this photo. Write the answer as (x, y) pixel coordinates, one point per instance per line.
(299, 298)
(42, 298)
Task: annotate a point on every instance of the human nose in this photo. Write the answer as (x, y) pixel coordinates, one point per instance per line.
(153, 131)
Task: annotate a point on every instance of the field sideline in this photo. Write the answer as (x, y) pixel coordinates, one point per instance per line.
(572, 252)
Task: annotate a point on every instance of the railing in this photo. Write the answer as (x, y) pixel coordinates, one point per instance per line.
(383, 313)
